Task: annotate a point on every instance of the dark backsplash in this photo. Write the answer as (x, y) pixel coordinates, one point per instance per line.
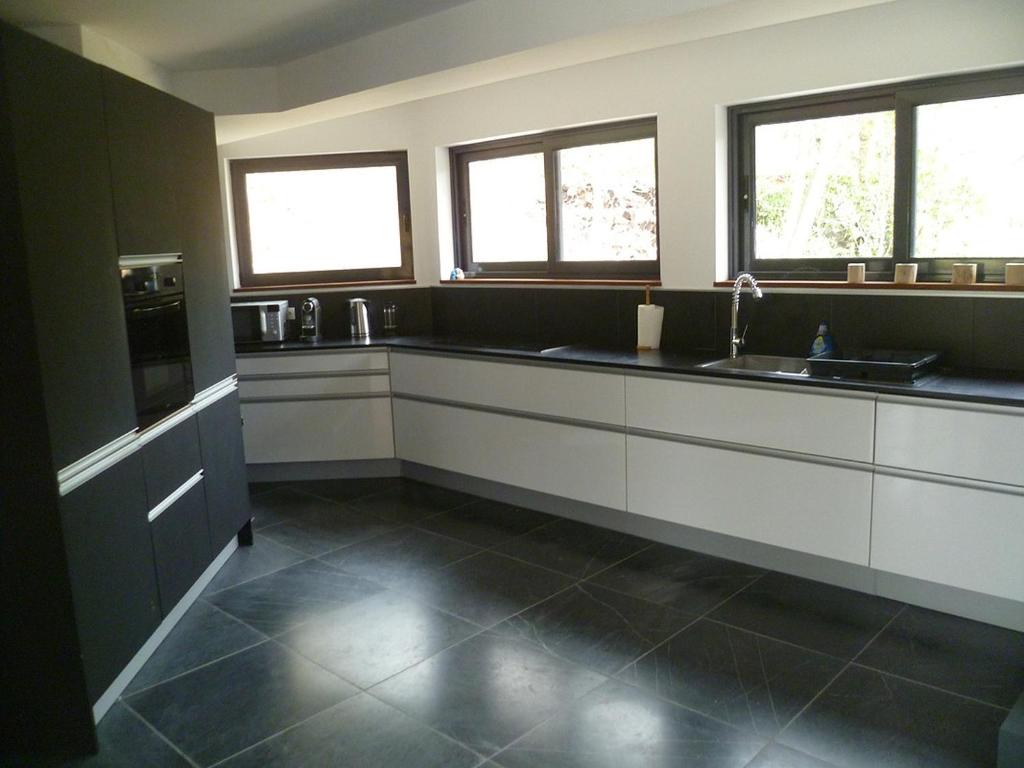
(971, 332)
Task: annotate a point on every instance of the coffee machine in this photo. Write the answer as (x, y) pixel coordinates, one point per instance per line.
(309, 320)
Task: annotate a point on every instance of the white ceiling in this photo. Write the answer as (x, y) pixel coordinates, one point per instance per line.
(185, 35)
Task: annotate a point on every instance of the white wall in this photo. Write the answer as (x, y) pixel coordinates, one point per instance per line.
(688, 87)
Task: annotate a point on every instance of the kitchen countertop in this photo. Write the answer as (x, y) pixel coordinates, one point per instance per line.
(976, 386)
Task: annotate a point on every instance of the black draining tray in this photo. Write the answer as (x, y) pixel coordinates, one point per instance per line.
(873, 364)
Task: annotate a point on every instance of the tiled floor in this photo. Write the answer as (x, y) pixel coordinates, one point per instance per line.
(388, 623)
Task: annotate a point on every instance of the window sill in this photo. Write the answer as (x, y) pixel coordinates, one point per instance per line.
(881, 285)
(314, 286)
(654, 283)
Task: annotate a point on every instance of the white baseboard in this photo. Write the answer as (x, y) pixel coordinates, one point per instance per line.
(106, 701)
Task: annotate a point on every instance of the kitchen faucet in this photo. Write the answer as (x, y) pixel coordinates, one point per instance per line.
(736, 341)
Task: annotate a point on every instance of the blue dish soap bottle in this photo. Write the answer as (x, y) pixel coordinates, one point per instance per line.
(822, 340)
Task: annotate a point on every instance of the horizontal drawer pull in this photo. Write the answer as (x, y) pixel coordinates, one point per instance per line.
(167, 503)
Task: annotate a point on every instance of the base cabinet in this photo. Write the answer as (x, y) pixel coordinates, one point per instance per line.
(318, 430)
(950, 534)
(810, 507)
(113, 577)
(181, 546)
(560, 459)
(227, 492)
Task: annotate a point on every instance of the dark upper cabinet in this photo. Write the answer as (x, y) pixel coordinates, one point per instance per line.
(110, 561)
(141, 137)
(59, 143)
(227, 492)
(206, 269)
(181, 546)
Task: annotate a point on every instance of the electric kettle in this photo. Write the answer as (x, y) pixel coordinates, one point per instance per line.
(359, 318)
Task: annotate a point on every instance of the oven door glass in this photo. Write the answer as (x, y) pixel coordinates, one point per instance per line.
(161, 364)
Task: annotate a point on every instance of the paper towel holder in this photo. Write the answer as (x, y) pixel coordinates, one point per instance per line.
(648, 323)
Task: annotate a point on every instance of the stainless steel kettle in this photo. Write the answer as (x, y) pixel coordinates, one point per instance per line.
(359, 318)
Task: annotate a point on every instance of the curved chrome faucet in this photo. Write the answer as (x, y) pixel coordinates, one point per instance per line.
(736, 341)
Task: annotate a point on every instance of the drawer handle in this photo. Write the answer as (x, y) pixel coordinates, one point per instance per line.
(167, 503)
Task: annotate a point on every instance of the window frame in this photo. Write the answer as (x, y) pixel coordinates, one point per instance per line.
(239, 168)
(901, 98)
(548, 144)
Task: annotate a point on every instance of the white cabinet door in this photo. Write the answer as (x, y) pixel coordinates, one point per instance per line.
(560, 459)
(964, 537)
(809, 507)
(982, 445)
(804, 420)
(313, 385)
(317, 430)
(571, 394)
(313, 360)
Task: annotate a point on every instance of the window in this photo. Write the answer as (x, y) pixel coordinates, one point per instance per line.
(322, 219)
(574, 204)
(924, 172)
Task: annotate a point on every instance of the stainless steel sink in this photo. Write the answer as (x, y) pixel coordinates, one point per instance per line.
(783, 366)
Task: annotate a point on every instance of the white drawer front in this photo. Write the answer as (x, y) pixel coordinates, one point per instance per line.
(313, 361)
(563, 460)
(963, 537)
(317, 430)
(306, 386)
(952, 441)
(584, 395)
(808, 507)
(804, 421)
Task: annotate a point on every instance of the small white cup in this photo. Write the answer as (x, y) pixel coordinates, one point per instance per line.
(1014, 273)
(855, 273)
(965, 274)
(906, 274)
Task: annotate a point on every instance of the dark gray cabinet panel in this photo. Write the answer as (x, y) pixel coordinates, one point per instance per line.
(141, 141)
(63, 182)
(227, 492)
(181, 546)
(206, 270)
(110, 560)
(170, 460)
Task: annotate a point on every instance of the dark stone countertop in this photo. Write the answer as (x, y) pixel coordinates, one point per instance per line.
(975, 386)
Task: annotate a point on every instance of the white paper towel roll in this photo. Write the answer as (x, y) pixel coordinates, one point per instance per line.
(648, 326)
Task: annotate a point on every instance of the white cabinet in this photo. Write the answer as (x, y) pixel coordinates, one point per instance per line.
(571, 394)
(964, 537)
(810, 507)
(316, 406)
(317, 430)
(560, 459)
(803, 420)
(313, 361)
(952, 440)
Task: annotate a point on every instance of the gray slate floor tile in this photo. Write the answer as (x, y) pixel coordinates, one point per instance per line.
(373, 639)
(596, 627)
(276, 603)
(752, 682)
(204, 634)
(487, 691)
(220, 709)
(689, 581)
(619, 726)
(818, 616)
(361, 732)
(867, 719)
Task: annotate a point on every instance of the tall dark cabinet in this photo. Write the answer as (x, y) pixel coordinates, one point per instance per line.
(103, 528)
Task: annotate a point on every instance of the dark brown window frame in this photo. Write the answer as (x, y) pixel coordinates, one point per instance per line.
(902, 98)
(240, 168)
(548, 144)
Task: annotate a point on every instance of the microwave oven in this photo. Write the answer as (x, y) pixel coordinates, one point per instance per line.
(255, 321)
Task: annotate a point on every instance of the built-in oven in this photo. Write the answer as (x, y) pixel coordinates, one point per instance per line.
(155, 314)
